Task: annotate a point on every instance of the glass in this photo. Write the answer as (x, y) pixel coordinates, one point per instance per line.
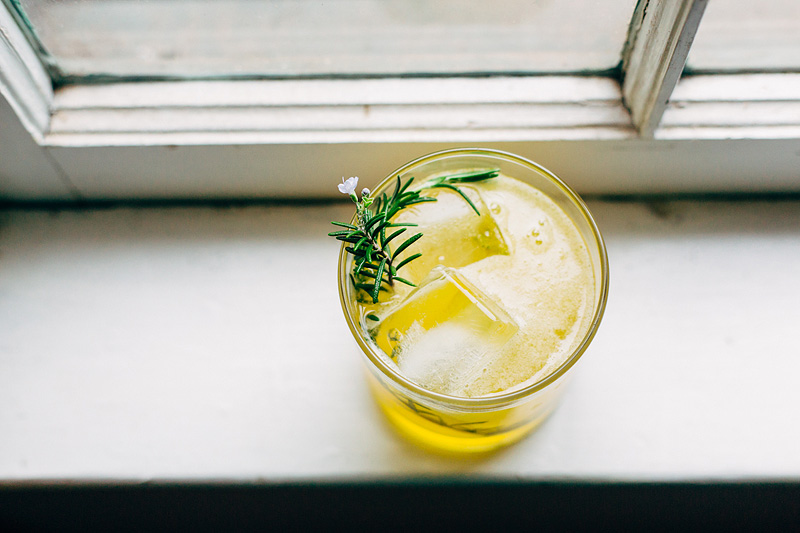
(747, 36)
(288, 38)
(477, 424)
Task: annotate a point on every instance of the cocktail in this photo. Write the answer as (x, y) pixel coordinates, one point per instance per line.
(473, 281)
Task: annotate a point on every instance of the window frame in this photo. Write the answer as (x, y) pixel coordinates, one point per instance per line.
(287, 138)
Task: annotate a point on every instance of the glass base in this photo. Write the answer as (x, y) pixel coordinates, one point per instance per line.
(435, 437)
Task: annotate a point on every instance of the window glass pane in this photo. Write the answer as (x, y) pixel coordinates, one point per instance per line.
(215, 38)
(747, 35)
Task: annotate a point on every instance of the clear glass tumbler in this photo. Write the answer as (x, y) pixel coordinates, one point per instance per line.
(480, 424)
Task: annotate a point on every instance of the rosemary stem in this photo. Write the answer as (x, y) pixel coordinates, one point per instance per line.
(383, 254)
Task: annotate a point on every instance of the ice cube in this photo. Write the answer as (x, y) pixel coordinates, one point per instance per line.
(454, 235)
(446, 333)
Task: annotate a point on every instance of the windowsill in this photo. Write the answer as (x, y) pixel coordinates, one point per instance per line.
(257, 139)
(207, 344)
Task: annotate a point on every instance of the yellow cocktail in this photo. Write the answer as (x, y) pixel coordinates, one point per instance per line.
(510, 289)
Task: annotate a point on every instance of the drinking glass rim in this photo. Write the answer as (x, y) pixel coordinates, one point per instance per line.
(500, 399)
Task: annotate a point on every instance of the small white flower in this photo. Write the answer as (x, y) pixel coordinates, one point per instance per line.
(364, 192)
(349, 186)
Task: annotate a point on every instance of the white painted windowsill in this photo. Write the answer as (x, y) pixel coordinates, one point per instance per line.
(208, 344)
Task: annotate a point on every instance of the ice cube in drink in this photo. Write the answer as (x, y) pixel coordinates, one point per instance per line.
(446, 333)
(455, 235)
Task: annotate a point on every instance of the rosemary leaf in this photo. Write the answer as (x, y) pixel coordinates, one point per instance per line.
(406, 244)
(360, 242)
(373, 276)
(358, 253)
(459, 191)
(471, 177)
(393, 235)
(371, 266)
(367, 287)
(376, 231)
(378, 279)
(420, 200)
(404, 187)
(408, 260)
(344, 225)
(359, 265)
(396, 192)
(372, 221)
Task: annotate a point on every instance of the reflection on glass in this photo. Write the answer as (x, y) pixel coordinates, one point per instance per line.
(214, 38)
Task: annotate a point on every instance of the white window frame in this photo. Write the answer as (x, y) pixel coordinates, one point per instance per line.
(289, 139)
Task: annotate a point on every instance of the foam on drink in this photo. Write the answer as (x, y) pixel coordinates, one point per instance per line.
(525, 274)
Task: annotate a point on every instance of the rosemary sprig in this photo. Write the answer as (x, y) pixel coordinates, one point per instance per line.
(376, 264)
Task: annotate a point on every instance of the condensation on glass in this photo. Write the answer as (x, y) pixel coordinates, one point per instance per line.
(747, 35)
(280, 38)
